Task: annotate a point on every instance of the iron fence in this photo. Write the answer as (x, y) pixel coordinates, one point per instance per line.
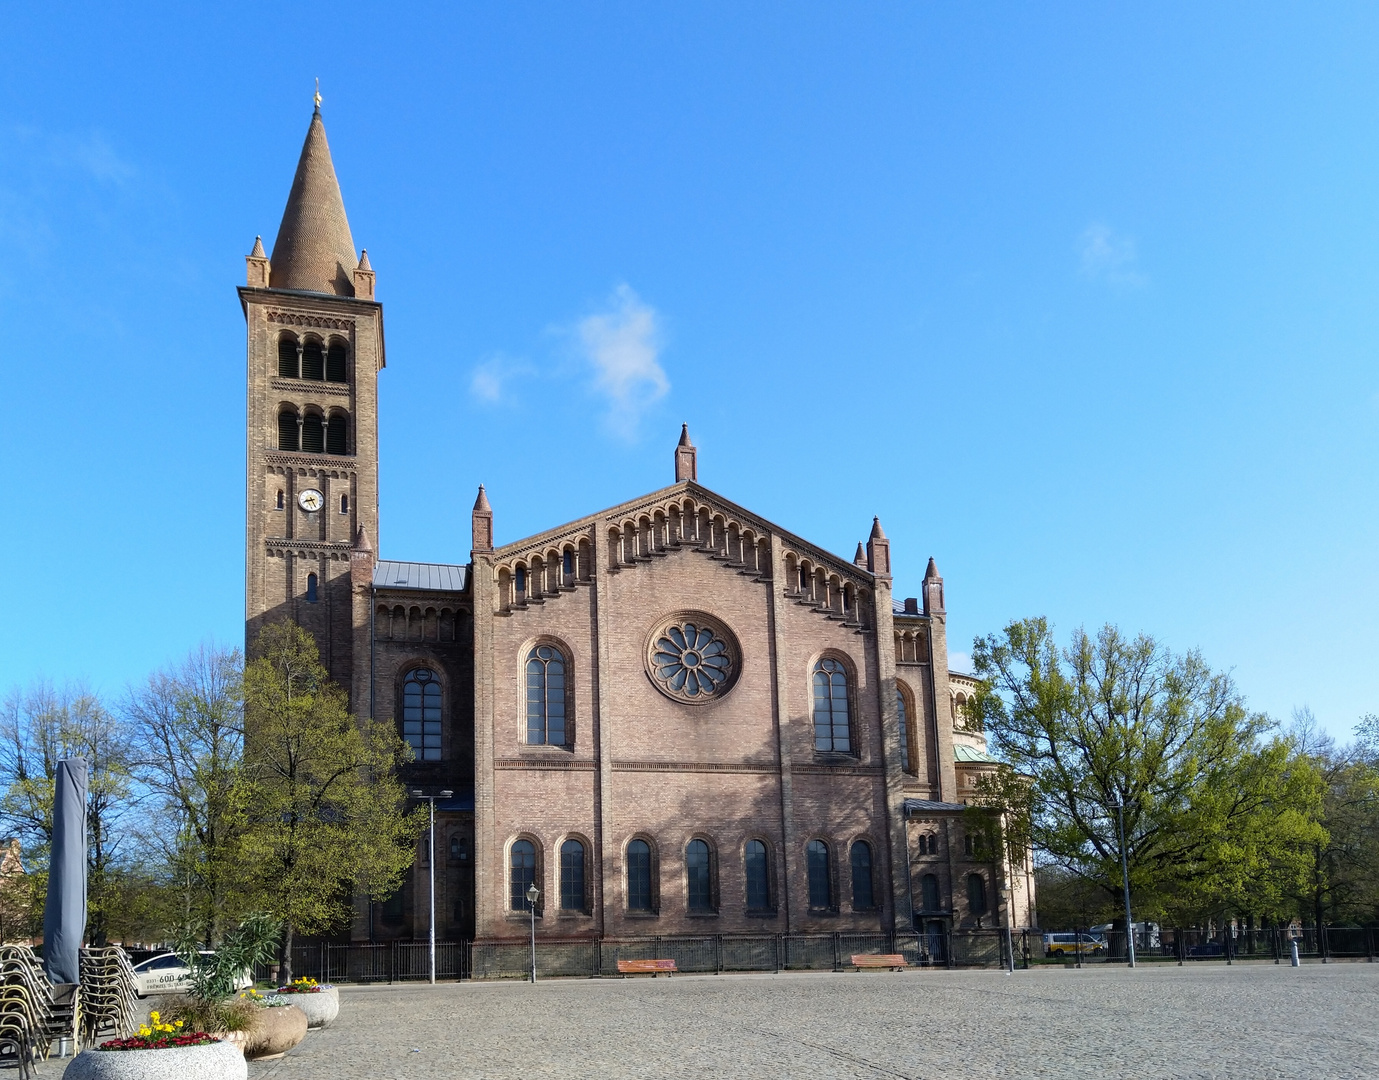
(590, 957)
(1227, 944)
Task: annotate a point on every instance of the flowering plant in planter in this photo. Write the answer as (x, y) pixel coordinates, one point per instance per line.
(303, 985)
(156, 1035)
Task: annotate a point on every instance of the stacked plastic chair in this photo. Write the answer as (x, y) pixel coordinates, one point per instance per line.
(30, 1018)
(109, 1004)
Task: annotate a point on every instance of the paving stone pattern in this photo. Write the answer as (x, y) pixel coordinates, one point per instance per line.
(1248, 1021)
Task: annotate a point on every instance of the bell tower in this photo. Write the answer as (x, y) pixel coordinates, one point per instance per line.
(315, 347)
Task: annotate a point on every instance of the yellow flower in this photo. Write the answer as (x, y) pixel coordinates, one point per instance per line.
(180, 1023)
(153, 1016)
(144, 1030)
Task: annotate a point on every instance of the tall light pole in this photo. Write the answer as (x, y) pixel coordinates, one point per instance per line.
(1125, 881)
(417, 793)
(532, 893)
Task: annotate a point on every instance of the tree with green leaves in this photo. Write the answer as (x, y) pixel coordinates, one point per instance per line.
(1220, 815)
(326, 812)
(188, 734)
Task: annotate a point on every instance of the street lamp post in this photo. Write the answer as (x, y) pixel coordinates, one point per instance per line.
(532, 893)
(1125, 881)
(431, 865)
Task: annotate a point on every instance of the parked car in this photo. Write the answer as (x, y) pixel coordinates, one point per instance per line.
(1065, 944)
(167, 974)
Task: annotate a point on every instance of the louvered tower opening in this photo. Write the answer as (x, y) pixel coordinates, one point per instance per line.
(313, 435)
(287, 356)
(287, 431)
(335, 363)
(313, 362)
(335, 435)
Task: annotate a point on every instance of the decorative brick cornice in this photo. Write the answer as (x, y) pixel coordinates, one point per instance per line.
(318, 549)
(838, 770)
(310, 387)
(316, 463)
(695, 767)
(556, 764)
(318, 322)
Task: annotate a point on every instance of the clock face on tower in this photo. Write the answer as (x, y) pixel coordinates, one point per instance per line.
(311, 500)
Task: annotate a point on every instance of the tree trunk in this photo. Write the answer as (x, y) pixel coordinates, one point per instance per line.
(285, 957)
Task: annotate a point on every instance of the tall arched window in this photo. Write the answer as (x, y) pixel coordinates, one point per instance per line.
(313, 361)
(335, 434)
(820, 883)
(287, 356)
(903, 713)
(976, 894)
(545, 697)
(311, 588)
(335, 362)
(287, 430)
(758, 876)
(638, 876)
(313, 434)
(832, 731)
(863, 893)
(572, 876)
(928, 891)
(521, 873)
(421, 713)
(699, 875)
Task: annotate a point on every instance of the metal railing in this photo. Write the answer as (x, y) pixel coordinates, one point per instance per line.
(588, 957)
(1228, 944)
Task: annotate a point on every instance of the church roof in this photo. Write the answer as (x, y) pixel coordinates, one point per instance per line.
(314, 251)
(966, 753)
(428, 577)
(920, 806)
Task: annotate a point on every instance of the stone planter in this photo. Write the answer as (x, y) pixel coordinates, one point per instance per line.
(320, 1008)
(214, 1061)
(276, 1030)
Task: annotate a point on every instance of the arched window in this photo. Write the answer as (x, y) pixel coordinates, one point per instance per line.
(313, 434)
(521, 873)
(313, 362)
(287, 356)
(520, 582)
(902, 712)
(344, 504)
(335, 435)
(831, 728)
(933, 843)
(820, 885)
(639, 876)
(568, 567)
(421, 713)
(758, 876)
(863, 894)
(545, 697)
(280, 498)
(335, 362)
(976, 894)
(572, 876)
(287, 430)
(311, 588)
(928, 891)
(699, 875)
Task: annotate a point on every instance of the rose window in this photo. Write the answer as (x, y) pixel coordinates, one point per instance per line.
(692, 660)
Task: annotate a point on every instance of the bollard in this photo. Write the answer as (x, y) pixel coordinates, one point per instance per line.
(1295, 953)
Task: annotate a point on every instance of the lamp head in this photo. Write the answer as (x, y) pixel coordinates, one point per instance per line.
(446, 793)
(532, 893)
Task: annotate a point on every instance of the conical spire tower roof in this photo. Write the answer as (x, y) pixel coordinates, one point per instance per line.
(314, 251)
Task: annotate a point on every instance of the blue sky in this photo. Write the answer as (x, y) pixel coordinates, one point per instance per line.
(1079, 299)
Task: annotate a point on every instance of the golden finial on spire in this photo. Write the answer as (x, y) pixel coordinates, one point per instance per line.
(317, 96)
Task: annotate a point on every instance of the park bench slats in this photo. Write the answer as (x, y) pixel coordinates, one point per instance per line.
(645, 967)
(892, 961)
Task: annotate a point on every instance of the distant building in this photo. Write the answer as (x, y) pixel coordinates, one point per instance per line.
(671, 715)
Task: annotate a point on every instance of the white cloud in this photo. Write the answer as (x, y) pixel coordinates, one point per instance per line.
(1109, 256)
(623, 346)
(491, 381)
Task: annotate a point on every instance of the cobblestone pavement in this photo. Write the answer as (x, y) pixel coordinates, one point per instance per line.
(1253, 1022)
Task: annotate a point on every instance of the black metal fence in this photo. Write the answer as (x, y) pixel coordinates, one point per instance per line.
(597, 956)
(1229, 944)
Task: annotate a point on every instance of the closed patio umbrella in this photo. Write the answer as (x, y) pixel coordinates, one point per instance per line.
(64, 913)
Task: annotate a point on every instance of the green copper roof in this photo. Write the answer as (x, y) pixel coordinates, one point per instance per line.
(962, 752)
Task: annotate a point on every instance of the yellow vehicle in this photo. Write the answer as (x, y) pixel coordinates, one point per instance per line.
(1072, 945)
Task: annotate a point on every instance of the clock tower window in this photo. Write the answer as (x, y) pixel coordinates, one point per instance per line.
(287, 430)
(313, 434)
(335, 434)
(288, 363)
(313, 362)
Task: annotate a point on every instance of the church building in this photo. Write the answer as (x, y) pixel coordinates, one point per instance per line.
(670, 716)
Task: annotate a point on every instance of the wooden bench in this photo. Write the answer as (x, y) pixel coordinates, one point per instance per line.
(645, 967)
(892, 961)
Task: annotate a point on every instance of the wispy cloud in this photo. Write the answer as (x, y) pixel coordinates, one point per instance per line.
(622, 343)
(1110, 256)
(492, 380)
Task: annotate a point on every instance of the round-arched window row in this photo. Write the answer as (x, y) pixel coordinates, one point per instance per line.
(310, 359)
(313, 433)
(641, 876)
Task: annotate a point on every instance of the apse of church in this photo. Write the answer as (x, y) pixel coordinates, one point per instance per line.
(670, 716)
